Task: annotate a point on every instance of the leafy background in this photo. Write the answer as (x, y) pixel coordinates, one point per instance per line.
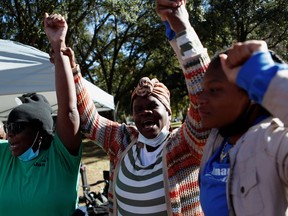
(117, 42)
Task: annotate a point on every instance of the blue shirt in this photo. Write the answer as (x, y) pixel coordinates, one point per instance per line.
(213, 182)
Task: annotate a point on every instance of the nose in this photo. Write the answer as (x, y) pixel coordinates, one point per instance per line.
(201, 98)
(9, 137)
(146, 111)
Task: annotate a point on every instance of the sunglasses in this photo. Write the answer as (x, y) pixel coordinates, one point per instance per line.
(15, 128)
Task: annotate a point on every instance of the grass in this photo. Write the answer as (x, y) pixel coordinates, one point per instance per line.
(95, 161)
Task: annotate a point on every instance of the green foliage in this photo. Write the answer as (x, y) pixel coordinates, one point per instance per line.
(22, 21)
(228, 21)
(117, 42)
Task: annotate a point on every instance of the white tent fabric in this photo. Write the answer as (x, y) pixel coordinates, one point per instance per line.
(24, 69)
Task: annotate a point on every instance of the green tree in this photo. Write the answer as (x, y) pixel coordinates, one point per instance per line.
(221, 22)
(118, 42)
(22, 21)
(127, 44)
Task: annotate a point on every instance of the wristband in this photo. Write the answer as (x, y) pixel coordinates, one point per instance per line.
(169, 32)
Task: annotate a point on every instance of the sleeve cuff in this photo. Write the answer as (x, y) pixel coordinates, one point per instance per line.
(76, 70)
(189, 43)
(256, 74)
(170, 34)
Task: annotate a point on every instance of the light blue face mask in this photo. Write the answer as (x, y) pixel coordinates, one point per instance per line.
(29, 154)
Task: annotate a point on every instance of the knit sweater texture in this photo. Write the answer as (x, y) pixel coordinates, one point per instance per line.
(181, 154)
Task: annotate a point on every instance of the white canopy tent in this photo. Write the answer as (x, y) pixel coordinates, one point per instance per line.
(24, 69)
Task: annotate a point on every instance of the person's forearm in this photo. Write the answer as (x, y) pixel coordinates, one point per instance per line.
(266, 83)
(85, 105)
(92, 124)
(275, 97)
(67, 125)
(66, 93)
(256, 74)
(191, 55)
(194, 61)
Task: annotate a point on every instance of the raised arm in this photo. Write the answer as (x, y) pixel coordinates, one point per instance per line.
(251, 66)
(67, 124)
(194, 61)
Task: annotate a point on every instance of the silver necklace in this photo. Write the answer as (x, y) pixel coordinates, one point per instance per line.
(224, 153)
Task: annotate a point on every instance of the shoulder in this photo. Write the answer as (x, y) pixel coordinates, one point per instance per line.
(4, 142)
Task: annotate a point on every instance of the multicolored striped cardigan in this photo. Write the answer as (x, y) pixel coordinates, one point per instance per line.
(182, 153)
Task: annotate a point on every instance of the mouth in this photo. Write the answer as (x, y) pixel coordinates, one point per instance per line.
(13, 146)
(203, 112)
(148, 124)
